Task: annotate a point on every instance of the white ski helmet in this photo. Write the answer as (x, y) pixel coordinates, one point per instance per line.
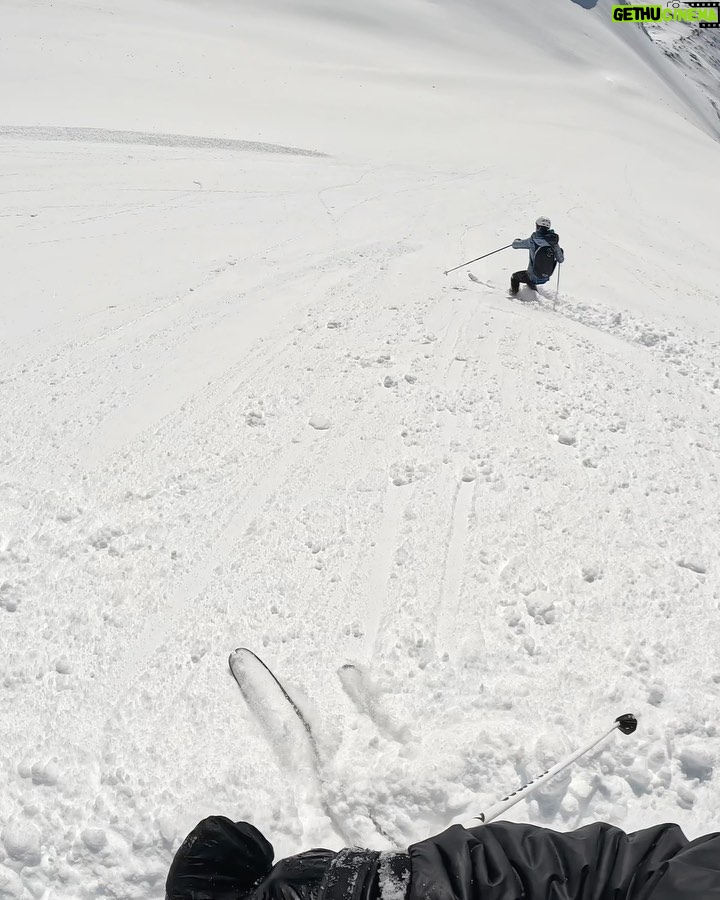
(542, 222)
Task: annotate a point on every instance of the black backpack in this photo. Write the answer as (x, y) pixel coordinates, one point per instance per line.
(544, 261)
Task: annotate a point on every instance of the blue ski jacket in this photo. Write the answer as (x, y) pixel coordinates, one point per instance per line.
(533, 244)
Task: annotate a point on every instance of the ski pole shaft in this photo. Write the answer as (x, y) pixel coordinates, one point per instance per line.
(479, 258)
(557, 288)
(626, 724)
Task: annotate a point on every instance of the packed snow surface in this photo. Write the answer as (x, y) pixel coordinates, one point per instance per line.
(241, 405)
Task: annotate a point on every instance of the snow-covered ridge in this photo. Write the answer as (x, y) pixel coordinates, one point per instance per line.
(696, 51)
(152, 139)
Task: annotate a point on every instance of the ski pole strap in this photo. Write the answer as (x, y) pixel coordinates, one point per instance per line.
(626, 724)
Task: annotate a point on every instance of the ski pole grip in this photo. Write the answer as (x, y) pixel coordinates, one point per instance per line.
(626, 723)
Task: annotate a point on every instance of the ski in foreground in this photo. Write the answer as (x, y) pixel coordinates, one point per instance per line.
(292, 737)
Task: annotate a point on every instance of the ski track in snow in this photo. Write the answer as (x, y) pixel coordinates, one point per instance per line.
(454, 564)
(381, 566)
(108, 136)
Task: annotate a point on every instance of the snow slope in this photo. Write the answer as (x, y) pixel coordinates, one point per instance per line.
(696, 52)
(241, 405)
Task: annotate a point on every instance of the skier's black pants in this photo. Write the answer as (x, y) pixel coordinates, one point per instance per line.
(518, 278)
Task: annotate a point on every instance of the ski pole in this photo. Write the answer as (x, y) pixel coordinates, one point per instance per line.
(626, 724)
(557, 287)
(479, 258)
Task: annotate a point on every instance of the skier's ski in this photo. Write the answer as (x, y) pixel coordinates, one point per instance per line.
(282, 719)
(289, 733)
(363, 696)
(242, 662)
(523, 297)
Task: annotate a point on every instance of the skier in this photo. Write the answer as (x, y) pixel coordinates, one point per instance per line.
(544, 254)
(225, 860)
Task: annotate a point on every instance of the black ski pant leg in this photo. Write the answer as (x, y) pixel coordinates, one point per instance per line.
(518, 278)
